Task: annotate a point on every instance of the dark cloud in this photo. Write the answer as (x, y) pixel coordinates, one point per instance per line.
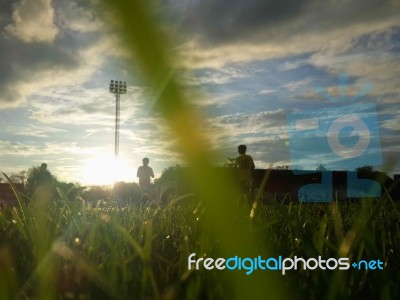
(22, 59)
(21, 64)
(227, 21)
(222, 20)
(5, 15)
(29, 66)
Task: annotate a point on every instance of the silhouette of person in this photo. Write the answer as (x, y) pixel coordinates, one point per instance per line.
(44, 176)
(144, 173)
(43, 189)
(244, 166)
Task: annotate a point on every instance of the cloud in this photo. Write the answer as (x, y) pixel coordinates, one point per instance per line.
(80, 105)
(33, 21)
(204, 98)
(68, 59)
(220, 32)
(19, 149)
(233, 21)
(266, 91)
(222, 21)
(26, 69)
(297, 85)
(292, 65)
(80, 18)
(262, 127)
(36, 131)
(379, 68)
(215, 77)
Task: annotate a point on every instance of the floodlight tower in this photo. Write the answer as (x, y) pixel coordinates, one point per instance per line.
(118, 88)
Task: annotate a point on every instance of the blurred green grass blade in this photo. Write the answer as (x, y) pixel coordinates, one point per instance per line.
(8, 278)
(150, 48)
(84, 265)
(64, 199)
(128, 237)
(18, 195)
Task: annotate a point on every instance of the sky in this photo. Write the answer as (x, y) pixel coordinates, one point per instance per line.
(273, 74)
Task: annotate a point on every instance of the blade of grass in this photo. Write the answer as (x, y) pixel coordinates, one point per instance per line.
(149, 48)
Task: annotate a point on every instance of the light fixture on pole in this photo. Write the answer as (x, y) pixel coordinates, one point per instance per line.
(118, 88)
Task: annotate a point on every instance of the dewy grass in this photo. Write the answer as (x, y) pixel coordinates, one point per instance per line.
(141, 252)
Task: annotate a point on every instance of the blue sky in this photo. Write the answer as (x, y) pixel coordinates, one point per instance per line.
(247, 65)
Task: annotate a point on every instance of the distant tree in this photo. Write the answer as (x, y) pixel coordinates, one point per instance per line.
(127, 191)
(169, 174)
(73, 191)
(365, 170)
(282, 167)
(321, 168)
(176, 180)
(18, 178)
(95, 193)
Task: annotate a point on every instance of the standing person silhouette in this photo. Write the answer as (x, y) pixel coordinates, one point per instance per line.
(40, 187)
(244, 165)
(144, 173)
(43, 175)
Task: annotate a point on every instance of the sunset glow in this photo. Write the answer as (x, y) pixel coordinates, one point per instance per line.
(105, 169)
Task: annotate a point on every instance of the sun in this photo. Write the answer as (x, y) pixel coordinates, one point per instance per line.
(104, 169)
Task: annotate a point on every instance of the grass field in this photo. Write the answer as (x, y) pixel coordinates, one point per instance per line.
(60, 250)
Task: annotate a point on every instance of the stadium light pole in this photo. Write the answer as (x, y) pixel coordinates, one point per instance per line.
(118, 88)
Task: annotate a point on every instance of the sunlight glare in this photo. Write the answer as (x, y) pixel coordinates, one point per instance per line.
(106, 169)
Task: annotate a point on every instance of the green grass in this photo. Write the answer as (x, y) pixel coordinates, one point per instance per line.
(59, 250)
